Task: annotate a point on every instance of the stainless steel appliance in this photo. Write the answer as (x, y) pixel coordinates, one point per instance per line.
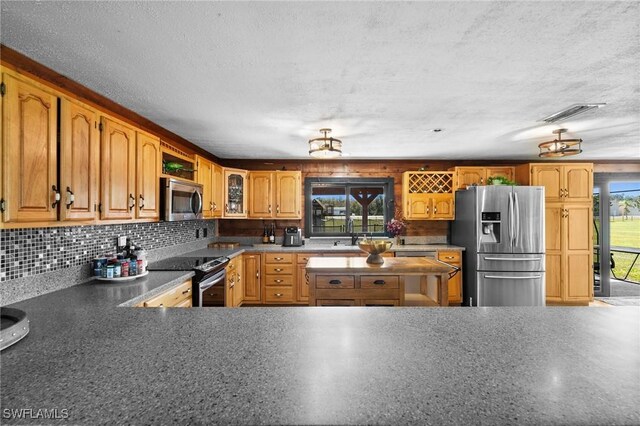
(180, 200)
(502, 229)
(208, 284)
(292, 237)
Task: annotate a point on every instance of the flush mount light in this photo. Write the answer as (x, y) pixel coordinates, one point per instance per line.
(325, 147)
(560, 147)
(437, 130)
(574, 109)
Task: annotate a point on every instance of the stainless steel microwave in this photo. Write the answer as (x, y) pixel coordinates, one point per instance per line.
(180, 200)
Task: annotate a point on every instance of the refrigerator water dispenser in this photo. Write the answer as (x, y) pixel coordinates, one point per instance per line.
(490, 227)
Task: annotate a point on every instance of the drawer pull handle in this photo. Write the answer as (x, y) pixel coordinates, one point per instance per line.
(279, 281)
(186, 291)
(335, 282)
(278, 269)
(379, 282)
(278, 294)
(449, 257)
(278, 258)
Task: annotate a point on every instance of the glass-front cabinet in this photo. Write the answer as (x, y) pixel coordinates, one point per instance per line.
(235, 193)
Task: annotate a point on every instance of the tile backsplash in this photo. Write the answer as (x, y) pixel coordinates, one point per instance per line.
(27, 252)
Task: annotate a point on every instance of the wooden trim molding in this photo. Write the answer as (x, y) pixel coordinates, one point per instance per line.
(16, 61)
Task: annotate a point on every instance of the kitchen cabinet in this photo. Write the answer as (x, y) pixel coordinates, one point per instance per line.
(30, 159)
(428, 195)
(252, 288)
(452, 257)
(469, 176)
(235, 194)
(148, 169)
(234, 292)
(302, 279)
(209, 175)
(570, 182)
(278, 277)
(118, 149)
(275, 194)
(179, 296)
(569, 253)
(79, 161)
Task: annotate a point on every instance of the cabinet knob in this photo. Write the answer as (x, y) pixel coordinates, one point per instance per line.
(278, 269)
(141, 203)
(133, 202)
(335, 282)
(70, 197)
(56, 196)
(269, 208)
(278, 208)
(278, 258)
(379, 282)
(186, 291)
(278, 281)
(278, 294)
(215, 207)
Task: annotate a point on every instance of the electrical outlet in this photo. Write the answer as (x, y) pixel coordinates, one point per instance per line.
(205, 231)
(122, 241)
(198, 233)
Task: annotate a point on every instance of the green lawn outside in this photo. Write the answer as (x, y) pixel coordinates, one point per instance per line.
(625, 233)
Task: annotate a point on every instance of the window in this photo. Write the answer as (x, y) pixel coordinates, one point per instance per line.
(341, 206)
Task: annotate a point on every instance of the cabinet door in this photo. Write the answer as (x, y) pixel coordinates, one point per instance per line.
(549, 176)
(578, 182)
(442, 207)
(30, 152)
(578, 249)
(418, 206)
(261, 195)
(468, 176)
(554, 225)
(251, 289)
(302, 284)
(235, 196)
(204, 176)
(507, 172)
(217, 190)
(79, 161)
(118, 170)
(238, 291)
(288, 195)
(148, 169)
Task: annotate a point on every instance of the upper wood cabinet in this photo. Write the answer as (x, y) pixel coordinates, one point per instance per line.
(470, 176)
(210, 176)
(148, 168)
(118, 161)
(30, 160)
(569, 182)
(235, 193)
(79, 161)
(275, 195)
(428, 195)
(217, 190)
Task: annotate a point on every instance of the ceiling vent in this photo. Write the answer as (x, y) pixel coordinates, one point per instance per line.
(570, 112)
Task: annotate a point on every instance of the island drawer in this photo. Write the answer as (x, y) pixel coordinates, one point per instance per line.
(449, 256)
(278, 294)
(379, 281)
(304, 257)
(278, 258)
(336, 302)
(171, 297)
(283, 280)
(335, 281)
(278, 269)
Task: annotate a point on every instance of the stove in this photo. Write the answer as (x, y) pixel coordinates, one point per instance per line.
(209, 282)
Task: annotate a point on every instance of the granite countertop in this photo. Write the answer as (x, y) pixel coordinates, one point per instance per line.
(326, 248)
(105, 364)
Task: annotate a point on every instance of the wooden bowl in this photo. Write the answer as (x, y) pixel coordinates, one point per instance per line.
(375, 248)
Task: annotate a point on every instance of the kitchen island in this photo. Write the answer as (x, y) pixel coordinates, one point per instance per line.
(351, 281)
(106, 364)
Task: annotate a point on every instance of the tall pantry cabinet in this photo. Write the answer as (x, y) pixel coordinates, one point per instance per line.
(568, 228)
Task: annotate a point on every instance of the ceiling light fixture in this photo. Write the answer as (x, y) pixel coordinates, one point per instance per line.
(560, 147)
(574, 109)
(325, 147)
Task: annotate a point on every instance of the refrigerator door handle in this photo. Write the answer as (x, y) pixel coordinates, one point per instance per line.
(507, 277)
(516, 225)
(515, 259)
(511, 219)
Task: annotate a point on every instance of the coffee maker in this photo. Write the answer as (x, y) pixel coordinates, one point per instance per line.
(292, 237)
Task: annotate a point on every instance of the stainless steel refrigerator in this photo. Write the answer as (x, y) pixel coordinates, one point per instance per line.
(502, 230)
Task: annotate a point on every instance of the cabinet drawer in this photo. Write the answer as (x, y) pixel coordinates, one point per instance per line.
(171, 297)
(284, 280)
(304, 257)
(379, 281)
(336, 302)
(279, 294)
(335, 281)
(278, 269)
(186, 303)
(449, 256)
(279, 258)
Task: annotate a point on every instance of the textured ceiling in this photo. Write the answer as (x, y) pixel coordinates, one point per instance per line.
(257, 80)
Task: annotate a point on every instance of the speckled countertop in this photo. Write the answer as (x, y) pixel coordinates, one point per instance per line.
(106, 364)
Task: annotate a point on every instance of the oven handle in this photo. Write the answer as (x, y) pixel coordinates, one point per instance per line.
(211, 281)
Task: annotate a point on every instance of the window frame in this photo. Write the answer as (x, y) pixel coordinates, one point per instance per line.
(349, 182)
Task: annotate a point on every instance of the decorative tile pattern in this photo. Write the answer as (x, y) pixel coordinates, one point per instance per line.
(31, 251)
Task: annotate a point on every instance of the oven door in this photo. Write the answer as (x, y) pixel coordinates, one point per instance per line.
(181, 200)
(211, 290)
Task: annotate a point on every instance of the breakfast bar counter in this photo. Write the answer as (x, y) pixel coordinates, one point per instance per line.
(351, 281)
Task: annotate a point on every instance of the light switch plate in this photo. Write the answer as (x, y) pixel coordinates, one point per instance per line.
(122, 241)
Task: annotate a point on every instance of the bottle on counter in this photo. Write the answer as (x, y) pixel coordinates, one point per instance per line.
(265, 236)
(124, 266)
(272, 234)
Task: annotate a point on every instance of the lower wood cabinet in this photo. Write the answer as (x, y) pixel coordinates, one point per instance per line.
(302, 280)
(179, 296)
(234, 286)
(455, 283)
(252, 287)
(333, 289)
(279, 277)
